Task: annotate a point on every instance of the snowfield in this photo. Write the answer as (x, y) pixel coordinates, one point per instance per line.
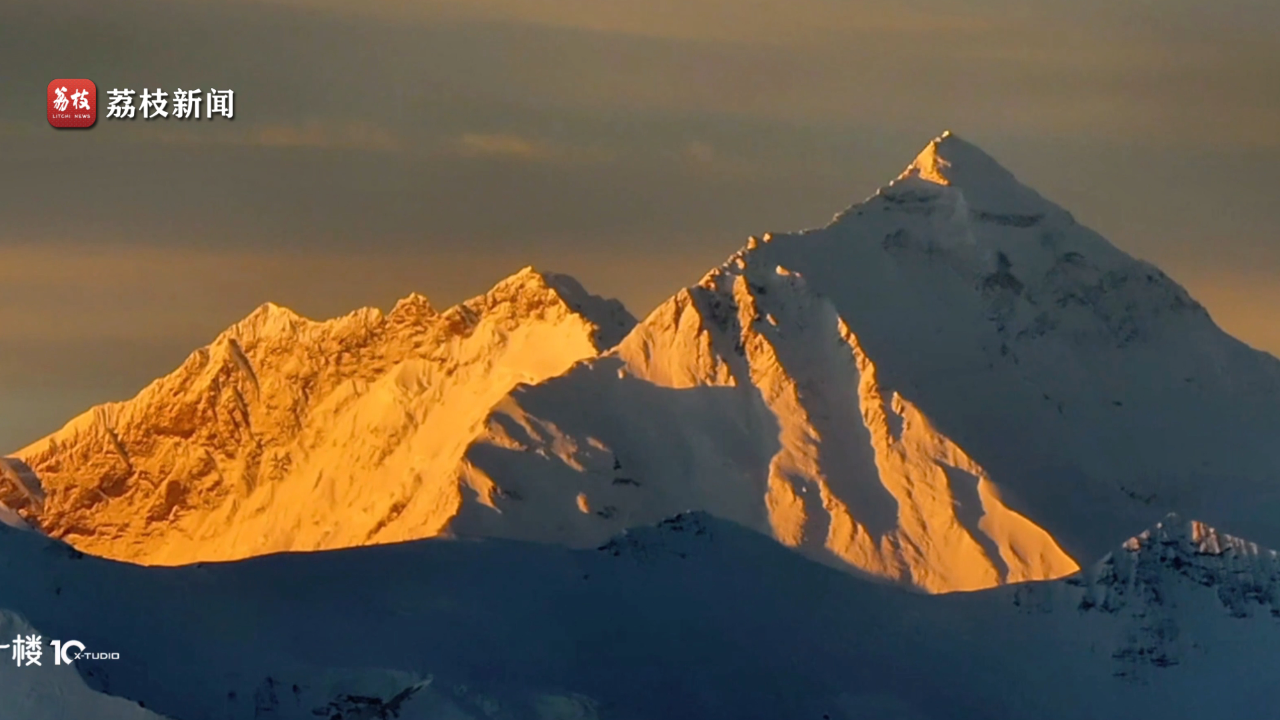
(693, 618)
(46, 691)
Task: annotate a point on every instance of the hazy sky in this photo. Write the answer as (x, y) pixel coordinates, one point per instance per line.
(390, 146)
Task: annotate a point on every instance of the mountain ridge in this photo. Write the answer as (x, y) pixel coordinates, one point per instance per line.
(668, 620)
(235, 416)
(951, 386)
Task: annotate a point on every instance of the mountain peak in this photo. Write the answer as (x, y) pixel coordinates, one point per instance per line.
(268, 319)
(951, 161)
(1243, 575)
(526, 280)
(532, 286)
(1192, 537)
(285, 417)
(949, 154)
(413, 305)
(271, 312)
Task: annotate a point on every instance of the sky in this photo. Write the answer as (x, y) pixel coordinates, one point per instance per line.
(386, 147)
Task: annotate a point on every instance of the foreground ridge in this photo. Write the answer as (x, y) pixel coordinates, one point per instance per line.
(665, 621)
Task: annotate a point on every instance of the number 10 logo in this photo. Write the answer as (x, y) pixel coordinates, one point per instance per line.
(62, 651)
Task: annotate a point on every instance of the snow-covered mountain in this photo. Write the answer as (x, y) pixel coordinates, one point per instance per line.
(694, 618)
(288, 434)
(953, 385)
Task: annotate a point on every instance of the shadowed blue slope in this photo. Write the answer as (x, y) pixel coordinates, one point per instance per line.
(695, 618)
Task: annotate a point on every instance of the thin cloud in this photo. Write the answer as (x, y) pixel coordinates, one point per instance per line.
(517, 147)
(701, 158)
(352, 136)
(501, 145)
(322, 135)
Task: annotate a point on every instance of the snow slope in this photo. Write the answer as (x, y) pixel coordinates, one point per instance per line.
(286, 433)
(749, 396)
(953, 385)
(53, 692)
(694, 618)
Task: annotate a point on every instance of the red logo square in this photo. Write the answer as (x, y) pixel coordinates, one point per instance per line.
(73, 103)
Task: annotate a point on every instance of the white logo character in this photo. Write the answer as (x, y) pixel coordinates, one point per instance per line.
(221, 102)
(153, 105)
(186, 104)
(26, 650)
(120, 104)
(62, 651)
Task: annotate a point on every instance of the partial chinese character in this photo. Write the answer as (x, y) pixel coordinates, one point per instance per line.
(153, 105)
(79, 100)
(221, 102)
(120, 104)
(186, 104)
(61, 101)
(26, 650)
(34, 649)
